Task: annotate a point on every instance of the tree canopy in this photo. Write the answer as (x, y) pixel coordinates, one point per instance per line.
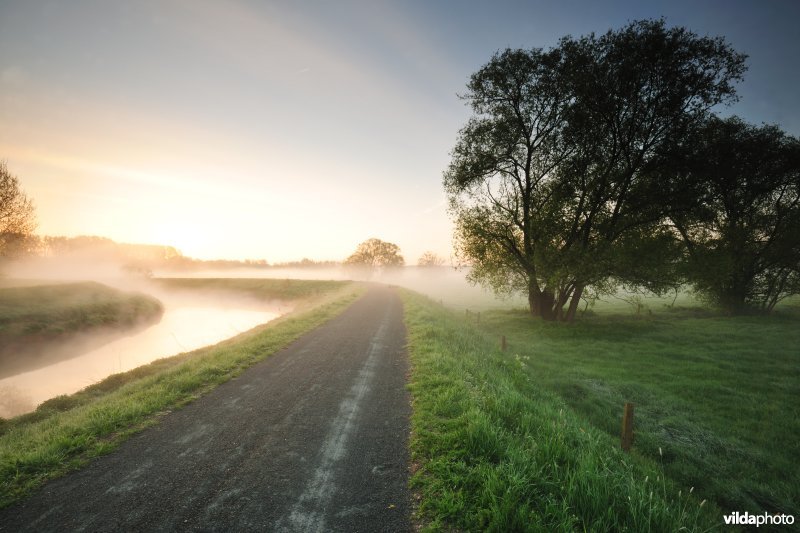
(555, 182)
(17, 214)
(375, 253)
(742, 238)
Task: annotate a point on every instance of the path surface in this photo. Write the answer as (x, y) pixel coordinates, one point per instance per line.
(313, 438)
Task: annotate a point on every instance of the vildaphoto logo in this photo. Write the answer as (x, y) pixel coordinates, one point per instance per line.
(745, 519)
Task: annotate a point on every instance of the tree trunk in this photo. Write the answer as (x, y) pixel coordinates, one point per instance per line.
(533, 299)
(573, 304)
(547, 302)
(735, 295)
(558, 307)
(540, 302)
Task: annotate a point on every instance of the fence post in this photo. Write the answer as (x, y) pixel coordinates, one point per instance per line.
(627, 427)
(503, 344)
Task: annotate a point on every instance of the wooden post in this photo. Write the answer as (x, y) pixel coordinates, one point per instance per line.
(503, 344)
(479, 317)
(627, 427)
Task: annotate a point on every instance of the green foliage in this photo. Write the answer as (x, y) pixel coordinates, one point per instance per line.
(495, 450)
(553, 182)
(743, 235)
(66, 431)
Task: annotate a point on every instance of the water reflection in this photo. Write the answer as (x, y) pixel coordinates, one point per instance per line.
(181, 329)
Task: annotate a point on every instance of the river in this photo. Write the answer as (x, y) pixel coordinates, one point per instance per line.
(182, 328)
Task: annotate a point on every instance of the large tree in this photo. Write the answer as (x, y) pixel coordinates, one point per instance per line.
(554, 182)
(375, 254)
(17, 215)
(743, 237)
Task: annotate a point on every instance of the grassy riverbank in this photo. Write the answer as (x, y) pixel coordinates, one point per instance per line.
(52, 312)
(65, 432)
(528, 439)
(263, 288)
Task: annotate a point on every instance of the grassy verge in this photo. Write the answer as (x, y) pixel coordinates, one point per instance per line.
(67, 431)
(495, 450)
(52, 312)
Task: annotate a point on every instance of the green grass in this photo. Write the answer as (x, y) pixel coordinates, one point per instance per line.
(65, 432)
(54, 311)
(718, 394)
(528, 439)
(496, 449)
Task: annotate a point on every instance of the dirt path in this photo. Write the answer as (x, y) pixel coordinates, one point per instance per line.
(312, 439)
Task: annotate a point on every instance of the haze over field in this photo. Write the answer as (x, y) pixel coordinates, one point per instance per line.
(283, 130)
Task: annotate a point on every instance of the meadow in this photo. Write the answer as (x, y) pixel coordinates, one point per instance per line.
(529, 438)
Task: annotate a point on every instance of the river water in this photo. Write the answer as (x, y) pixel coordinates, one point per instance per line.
(182, 328)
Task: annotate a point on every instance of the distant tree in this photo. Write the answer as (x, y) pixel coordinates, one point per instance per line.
(375, 254)
(17, 215)
(19, 245)
(554, 182)
(85, 245)
(743, 236)
(430, 259)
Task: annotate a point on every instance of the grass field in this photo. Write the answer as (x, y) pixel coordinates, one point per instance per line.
(66, 431)
(719, 395)
(528, 439)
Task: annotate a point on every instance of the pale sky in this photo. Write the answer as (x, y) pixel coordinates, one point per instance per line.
(282, 130)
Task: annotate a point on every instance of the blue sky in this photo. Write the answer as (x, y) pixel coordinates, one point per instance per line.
(280, 130)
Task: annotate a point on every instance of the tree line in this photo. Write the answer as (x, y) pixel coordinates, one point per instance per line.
(600, 163)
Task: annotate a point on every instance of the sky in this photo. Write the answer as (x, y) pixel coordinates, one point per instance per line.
(282, 130)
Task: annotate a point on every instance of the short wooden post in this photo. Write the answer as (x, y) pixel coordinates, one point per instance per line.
(503, 344)
(627, 427)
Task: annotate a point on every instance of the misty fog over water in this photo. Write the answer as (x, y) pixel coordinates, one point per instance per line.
(185, 326)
